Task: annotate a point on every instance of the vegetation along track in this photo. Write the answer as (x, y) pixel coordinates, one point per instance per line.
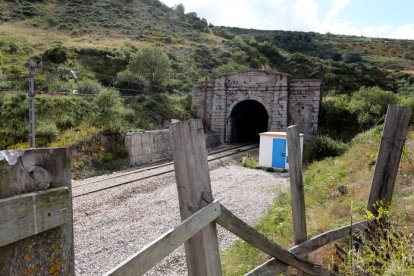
(90, 187)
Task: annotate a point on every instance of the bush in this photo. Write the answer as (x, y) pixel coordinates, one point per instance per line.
(249, 162)
(336, 118)
(409, 102)
(56, 55)
(47, 132)
(352, 57)
(370, 105)
(89, 86)
(322, 147)
(229, 67)
(126, 81)
(109, 108)
(152, 64)
(336, 56)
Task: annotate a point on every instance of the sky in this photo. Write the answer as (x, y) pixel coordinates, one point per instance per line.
(373, 18)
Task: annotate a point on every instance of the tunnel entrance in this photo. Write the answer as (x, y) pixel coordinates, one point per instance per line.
(248, 119)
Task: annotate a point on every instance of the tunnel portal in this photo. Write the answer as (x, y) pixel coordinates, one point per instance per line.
(248, 119)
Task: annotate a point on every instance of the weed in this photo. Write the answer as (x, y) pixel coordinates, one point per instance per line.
(250, 162)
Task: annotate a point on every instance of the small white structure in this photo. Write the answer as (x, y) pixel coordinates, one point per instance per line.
(273, 152)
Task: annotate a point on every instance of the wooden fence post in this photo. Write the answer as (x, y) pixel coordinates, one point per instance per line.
(389, 155)
(296, 186)
(194, 192)
(38, 175)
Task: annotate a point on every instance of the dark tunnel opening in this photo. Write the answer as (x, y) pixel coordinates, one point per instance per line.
(248, 119)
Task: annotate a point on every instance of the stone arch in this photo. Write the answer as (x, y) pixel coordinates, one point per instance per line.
(246, 118)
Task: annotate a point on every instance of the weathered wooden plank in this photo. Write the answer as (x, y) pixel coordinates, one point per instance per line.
(194, 187)
(389, 155)
(153, 253)
(252, 236)
(296, 187)
(49, 252)
(273, 266)
(29, 214)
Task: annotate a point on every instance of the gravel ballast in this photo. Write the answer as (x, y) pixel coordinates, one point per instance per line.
(113, 224)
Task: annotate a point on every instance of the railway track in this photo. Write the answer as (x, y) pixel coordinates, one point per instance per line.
(110, 182)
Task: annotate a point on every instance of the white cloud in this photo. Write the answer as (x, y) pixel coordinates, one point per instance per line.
(298, 15)
(403, 32)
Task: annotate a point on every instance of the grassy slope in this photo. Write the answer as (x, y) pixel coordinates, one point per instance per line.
(193, 47)
(385, 53)
(325, 207)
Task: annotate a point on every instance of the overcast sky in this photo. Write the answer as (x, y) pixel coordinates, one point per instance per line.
(375, 18)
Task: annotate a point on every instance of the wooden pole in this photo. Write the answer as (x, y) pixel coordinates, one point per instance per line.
(296, 186)
(194, 192)
(32, 171)
(389, 155)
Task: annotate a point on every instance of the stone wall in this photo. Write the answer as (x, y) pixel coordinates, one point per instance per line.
(148, 146)
(274, 90)
(304, 102)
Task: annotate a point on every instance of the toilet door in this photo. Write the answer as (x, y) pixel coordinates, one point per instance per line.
(279, 153)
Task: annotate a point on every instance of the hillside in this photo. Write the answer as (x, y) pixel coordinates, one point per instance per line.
(100, 39)
(100, 36)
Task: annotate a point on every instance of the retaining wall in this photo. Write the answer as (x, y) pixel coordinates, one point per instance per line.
(150, 146)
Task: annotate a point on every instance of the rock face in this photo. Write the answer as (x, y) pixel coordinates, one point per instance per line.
(287, 101)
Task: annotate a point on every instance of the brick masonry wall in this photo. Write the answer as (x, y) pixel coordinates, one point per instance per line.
(271, 89)
(304, 104)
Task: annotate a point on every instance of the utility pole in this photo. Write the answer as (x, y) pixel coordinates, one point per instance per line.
(32, 122)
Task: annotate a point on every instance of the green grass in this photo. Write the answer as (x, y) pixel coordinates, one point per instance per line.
(326, 208)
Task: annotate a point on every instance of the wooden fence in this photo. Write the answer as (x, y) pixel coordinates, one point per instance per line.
(36, 234)
(200, 212)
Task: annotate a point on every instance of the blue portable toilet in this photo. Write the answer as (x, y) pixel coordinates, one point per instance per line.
(273, 152)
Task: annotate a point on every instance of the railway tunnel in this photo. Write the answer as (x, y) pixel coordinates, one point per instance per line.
(248, 118)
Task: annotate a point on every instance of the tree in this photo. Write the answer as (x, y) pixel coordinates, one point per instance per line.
(153, 65)
(179, 8)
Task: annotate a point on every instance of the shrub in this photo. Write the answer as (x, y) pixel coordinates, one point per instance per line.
(56, 55)
(337, 119)
(89, 86)
(409, 102)
(65, 122)
(322, 147)
(352, 57)
(126, 81)
(47, 132)
(109, 108)
(370, 105)
(336, 56)
(152, 64)
(229, 67)
(249, 162)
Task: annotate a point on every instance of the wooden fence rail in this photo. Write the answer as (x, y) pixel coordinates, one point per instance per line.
(36, 229)
(275, 266)
(153, 253)
(27, 215)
